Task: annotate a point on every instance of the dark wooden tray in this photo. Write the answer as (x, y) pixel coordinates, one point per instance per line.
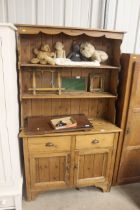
(38, 125)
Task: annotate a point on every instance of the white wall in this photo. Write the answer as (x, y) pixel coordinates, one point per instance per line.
(84, 13)
(111, 14)
(125, 15)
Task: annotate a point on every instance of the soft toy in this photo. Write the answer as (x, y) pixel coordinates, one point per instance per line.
(59, 51)
(75, 54)
(43, 56)
(46, 49)
(89, 52)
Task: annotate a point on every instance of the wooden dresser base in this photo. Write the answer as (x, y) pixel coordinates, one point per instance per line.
(69, 161)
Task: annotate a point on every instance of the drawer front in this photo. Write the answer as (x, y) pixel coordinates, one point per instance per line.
(94, 141)
(49, 144)
(6, 202)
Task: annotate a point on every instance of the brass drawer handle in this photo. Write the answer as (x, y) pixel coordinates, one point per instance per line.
(95, 141)
(49, 144)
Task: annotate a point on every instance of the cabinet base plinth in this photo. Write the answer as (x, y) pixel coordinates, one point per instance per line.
(30, 196)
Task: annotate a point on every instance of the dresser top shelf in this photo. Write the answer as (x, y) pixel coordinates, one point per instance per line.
(69, 95)
(45, 67)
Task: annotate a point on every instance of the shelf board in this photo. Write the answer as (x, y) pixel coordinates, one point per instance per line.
(100, 126)
(69, 95)
(102, 66)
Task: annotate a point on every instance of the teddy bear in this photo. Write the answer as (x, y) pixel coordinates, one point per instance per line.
(89, 53)
(75, 54)
(43, 56)
(59, 51)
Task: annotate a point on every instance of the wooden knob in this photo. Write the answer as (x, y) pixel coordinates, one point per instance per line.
(95, 141)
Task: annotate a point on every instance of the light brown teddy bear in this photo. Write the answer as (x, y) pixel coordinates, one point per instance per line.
(89, 52)
(43, 56)
(59, 51)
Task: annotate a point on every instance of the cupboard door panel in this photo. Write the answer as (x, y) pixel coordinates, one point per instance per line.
(88, 166)
(135, 91)
(100, 163)
(133, 128)
(92, 166)
(130, 167)
(50, 171)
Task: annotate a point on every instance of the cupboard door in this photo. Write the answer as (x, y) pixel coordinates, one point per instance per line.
(129, 170)
(50, 171)
(92, 166)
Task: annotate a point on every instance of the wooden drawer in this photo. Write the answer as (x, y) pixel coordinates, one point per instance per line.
(49, 144)
(94, 141)
(6, 202)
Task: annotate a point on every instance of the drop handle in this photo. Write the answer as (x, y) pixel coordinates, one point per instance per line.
(95, 141)
(49, 144)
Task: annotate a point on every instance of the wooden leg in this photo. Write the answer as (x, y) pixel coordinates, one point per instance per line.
(28, 195)
(108, 188)
(34, 195)
(31, 195)
(105, 187)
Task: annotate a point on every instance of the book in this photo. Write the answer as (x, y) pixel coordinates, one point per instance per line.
(63, 123)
